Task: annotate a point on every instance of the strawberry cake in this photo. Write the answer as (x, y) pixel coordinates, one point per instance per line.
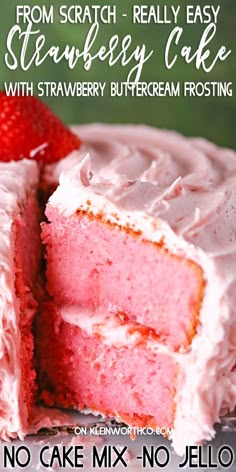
(137, 320)
(140, 249)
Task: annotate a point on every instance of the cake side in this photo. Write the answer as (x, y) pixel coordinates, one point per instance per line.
(20, 253)
(178, 194)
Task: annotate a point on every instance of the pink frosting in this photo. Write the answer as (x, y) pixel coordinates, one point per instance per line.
(190, 183)
(17, 179)
(182, 191)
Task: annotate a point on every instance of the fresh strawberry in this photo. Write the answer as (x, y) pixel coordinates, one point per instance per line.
(28, 128)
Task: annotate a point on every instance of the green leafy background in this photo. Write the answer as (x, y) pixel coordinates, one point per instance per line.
(212, 117)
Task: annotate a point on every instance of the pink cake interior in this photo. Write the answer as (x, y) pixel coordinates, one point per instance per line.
(131, 382)
(27, 259)
(96, 264)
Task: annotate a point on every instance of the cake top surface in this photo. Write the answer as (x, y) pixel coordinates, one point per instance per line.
(187, 182)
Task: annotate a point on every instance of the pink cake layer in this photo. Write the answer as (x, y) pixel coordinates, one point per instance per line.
(115, 268)
(128, 379)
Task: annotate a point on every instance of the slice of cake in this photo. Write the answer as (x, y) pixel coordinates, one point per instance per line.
(141, 252)
(20, 252)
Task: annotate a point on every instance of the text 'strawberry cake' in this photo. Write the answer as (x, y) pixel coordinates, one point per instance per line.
(141, 273)
(20, 251)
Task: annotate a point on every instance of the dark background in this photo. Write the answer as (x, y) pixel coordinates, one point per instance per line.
(212, 117)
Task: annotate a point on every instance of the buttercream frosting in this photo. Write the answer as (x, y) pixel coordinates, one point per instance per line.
(17, 180)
